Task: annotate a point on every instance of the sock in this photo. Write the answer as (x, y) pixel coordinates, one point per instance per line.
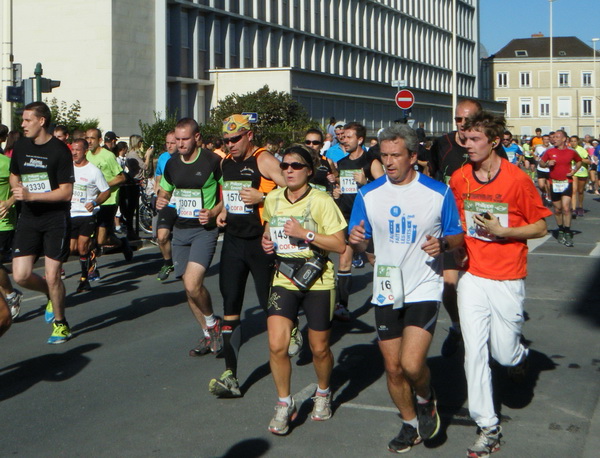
(561, 228)
(84, 261)
(287, 400)
(344, 284)
(232, 340)
(168, 262)
(414, 422)
(11, 295)
(210, 320)
(567, 229)
(205, 331)
(61, 322)
(421, 400)
(321, 392)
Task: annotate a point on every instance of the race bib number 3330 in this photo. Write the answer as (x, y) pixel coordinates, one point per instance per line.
(36, 182)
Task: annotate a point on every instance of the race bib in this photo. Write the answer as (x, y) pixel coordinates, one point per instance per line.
(36, 182)
(79, 193)
(282, 243)
(388, 287)
(233, 199)
(559, 186)
(472, 208)
(347, 182)
(188, 202)
(319, 187)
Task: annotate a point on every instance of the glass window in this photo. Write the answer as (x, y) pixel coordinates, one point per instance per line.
(586, 106)
(525, 107)
(586, 79)
(502, 80)
(564, 79)
(525, 79)
(544, 106)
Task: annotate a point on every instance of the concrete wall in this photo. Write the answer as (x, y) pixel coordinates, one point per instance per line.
(71, 43)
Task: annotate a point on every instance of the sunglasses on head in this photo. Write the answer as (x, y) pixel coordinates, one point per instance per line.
(293, 165)
(312, 142)
(235, 139)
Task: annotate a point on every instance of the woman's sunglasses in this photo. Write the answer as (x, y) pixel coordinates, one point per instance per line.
(293, 165)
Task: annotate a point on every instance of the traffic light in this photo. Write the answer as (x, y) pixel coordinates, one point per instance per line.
(47, 84)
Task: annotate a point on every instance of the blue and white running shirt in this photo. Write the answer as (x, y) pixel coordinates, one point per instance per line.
(398, 218)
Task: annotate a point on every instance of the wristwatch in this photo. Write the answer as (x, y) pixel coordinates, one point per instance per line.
(310, 236)
(444, 245)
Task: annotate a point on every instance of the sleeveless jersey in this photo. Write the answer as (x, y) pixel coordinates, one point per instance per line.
(243, 220)
(347, 167)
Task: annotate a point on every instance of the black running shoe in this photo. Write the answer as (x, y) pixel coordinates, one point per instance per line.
(405, 440)
(202, 349)
(428, 417)
(83, 286)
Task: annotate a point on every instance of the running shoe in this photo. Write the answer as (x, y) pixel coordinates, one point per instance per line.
(15, 304)
(202, 349)
(580, 212)
(63, 275)
(341, 313)
(407, 438)
(322, 407)
(165, 272)
(60, 333)
(127, 251)
(296, 342)
(215, 336)
(428, 417)
(518, 373)
(358, 261)
(49, 313)
(561, 237)
(452, 342)
(225, 387)
(487, 443)
(284, 415)
(94, 275)
(568, 240)
(83, 286)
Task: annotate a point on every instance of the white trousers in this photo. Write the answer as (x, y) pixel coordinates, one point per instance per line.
(491, 317)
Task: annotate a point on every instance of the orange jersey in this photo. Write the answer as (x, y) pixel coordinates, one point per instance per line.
(511, 197)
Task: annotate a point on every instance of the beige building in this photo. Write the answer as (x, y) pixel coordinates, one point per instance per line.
(562, 94)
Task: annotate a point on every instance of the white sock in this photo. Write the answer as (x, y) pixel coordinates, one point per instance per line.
(414, 422)
(11, 295)
(287, 400)
(210, 320)
(321, 392)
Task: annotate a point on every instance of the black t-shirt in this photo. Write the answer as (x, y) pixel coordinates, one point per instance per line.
(447, 156)
(364, 161)
(183, 178)
(43, 168)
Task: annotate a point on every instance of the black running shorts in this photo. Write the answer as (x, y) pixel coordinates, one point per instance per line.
(390, 323)
(46, 235)
(318, 306)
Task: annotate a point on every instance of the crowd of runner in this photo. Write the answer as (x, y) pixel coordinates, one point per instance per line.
(442, 222)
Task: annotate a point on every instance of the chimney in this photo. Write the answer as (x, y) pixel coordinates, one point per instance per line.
(537, 35)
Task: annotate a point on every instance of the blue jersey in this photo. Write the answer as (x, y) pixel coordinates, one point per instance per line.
(336, 153)
(398, 219)
(513, 152)
(160, 164)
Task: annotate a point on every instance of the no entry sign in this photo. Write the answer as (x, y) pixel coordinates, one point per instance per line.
(405, 99)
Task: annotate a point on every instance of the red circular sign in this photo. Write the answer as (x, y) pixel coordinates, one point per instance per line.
(405, 99)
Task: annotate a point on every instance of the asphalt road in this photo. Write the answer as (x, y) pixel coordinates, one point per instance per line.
(125, 385)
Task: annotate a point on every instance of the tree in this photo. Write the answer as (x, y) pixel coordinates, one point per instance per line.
(278, 113)
(155, 133)
(70, 115)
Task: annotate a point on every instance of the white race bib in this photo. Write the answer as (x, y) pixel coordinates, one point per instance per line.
(284, 244)
(472, 208)
(188, 202)
(36, 182)
(347, 182)
(79, 193)
(388, 286)
(233, 199)
(559, 186)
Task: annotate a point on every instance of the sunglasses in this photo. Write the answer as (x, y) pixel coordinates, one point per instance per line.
(312, 142)
(459, 119)
(293, 165)
(235, 139)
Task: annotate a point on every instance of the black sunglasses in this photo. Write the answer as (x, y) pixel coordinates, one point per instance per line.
(293, 165)
(312, 142)
(459, 118)
(235, 139)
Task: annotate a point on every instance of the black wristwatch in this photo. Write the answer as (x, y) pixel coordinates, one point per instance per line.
(444, 245)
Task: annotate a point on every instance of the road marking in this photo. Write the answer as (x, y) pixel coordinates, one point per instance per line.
(534, 243)
(34, 298)
(595, 253)
(587, 256)
(305, 393)
(369, 407)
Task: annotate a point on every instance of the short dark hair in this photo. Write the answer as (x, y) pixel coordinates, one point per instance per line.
(314, 131)
(493, 126)
(83, 142)
(358, 128)
(98, 131)
(40, 110)
(507, 132)
(62, 128)
(188, 122)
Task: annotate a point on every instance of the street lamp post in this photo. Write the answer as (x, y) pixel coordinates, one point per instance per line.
(595, 83)
(551, 74)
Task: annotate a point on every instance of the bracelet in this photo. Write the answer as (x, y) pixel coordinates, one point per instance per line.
(94, 203)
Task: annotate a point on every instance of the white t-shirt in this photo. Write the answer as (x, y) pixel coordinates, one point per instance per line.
(539, 152)
(89, 182)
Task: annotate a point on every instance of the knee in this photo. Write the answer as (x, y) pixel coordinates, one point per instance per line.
(278, 348)
(412, 370)
(393, 369)
(320, 352)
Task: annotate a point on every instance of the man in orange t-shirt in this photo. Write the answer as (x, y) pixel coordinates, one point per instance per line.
(500, 209)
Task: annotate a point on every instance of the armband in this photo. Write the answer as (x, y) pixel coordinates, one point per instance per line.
(94, 203)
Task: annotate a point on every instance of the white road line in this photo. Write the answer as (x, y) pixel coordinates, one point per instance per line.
(585, 256)
(34, 298)
(534, 243)
(369, 407)
(305, 393)
(595, 253)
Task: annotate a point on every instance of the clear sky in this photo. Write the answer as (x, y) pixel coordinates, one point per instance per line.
(503, 20)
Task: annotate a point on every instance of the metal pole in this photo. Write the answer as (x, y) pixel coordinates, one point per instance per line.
(595, 83)
(7, 58)
(454, 61)
(551, 74)
(38, 82)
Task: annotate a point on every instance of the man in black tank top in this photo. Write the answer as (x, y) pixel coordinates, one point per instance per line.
(248, 174)
(355, 170)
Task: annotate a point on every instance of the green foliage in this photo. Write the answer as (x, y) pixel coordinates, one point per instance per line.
(70, 115)
(155, 133)
(278, 114)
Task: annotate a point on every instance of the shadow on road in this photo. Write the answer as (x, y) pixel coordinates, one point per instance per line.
(250, 448)
(54, 367)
